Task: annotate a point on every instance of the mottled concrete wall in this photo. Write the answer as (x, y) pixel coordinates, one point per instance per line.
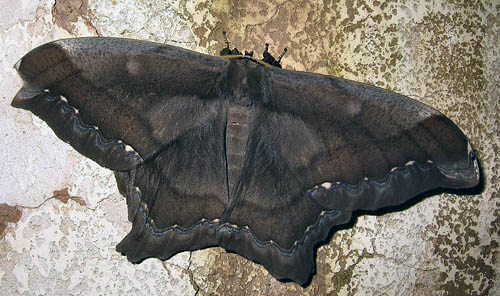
(443, 53)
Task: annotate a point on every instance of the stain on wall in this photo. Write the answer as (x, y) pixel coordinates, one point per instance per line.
(64, 196)
(8, 214)
(67, 14)
(443, 53)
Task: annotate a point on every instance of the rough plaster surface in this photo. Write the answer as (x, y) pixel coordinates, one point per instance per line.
(443, 53)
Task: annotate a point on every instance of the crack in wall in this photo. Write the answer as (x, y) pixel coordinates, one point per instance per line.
(191, 275)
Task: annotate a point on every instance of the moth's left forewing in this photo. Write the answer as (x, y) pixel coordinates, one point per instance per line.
(116, 92)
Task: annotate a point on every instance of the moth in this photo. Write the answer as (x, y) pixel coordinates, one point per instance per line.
(236, 152)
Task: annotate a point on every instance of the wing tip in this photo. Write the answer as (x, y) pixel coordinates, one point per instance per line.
(461, 178)
(29, 91)
(25, 96)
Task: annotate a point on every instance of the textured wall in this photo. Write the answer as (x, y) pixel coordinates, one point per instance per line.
(443, 53)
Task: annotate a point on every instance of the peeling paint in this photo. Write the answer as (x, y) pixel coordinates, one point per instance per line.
(68, 13)
(63, 196)
(8, 214)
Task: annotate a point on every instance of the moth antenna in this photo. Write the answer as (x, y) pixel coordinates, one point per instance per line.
(269, 59)
(225, 39)
(226, 50)
(267, 49)
(282, 54)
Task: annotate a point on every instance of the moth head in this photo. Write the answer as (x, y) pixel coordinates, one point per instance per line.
(267, 60)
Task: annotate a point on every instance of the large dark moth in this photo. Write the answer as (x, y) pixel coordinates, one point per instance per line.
(232, 152)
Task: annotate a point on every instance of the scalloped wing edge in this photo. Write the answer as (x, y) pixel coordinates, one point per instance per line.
(400, 185)
(66, 123)
(145, 240)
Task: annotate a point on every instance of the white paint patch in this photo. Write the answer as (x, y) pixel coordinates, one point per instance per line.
(326, 185)
(62, 98)
(129, 148)
(411, 162)
(21, 277)
(394, 169)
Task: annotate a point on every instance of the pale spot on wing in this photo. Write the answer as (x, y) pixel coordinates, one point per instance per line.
(352, 107)
(133, 67)
(469, 148)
